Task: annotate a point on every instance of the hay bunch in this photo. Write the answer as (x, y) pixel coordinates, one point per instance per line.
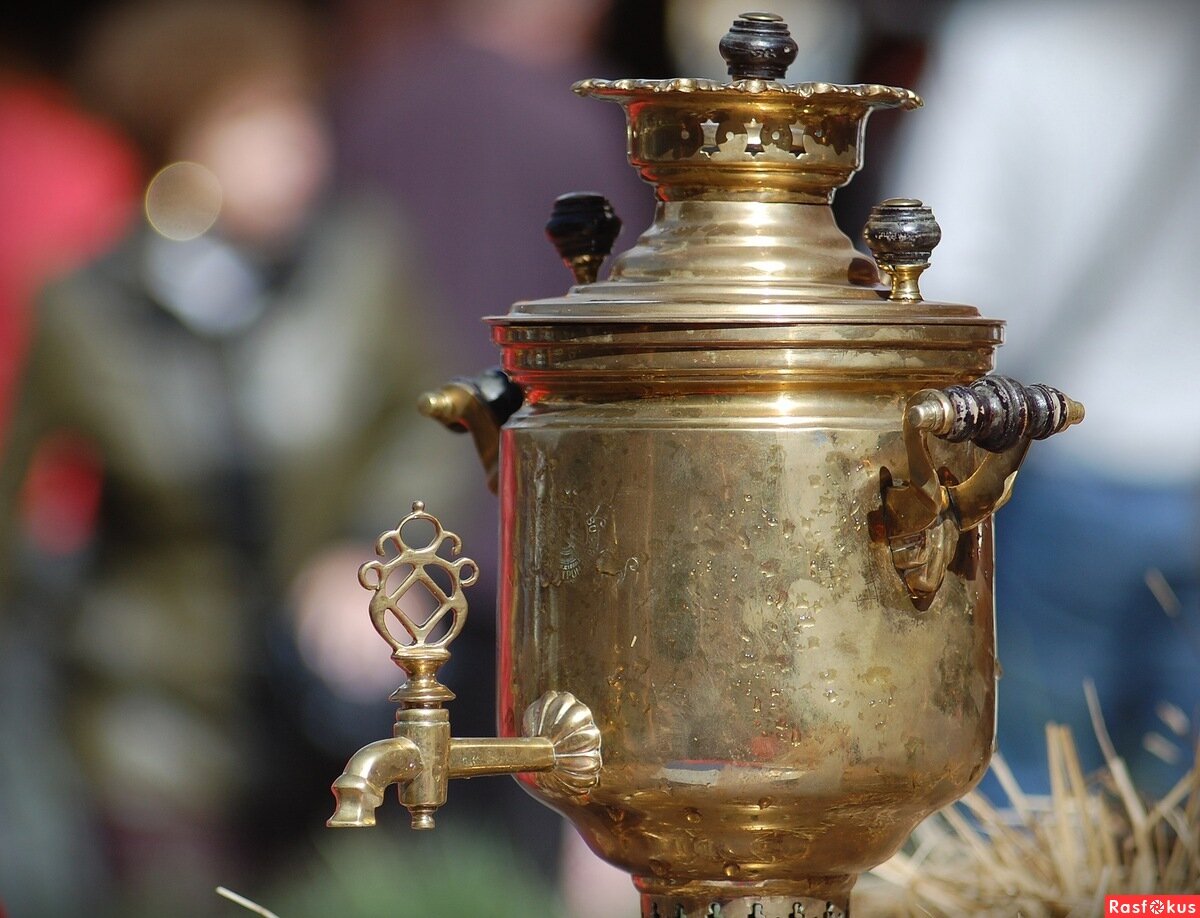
(1046, 857)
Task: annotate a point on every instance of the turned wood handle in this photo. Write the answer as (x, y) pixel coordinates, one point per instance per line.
(995, 412)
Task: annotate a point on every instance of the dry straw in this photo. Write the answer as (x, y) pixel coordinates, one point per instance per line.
(1055, 857)
(245, 903)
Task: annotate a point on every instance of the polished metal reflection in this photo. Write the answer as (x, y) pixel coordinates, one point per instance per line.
(775, 710)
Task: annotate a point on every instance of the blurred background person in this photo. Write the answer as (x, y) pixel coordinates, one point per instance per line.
(69, 184)
(1058, 151)
(68, 189)
(461, 113)
(242, 370)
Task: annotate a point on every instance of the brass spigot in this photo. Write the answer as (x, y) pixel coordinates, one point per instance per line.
(561, 742)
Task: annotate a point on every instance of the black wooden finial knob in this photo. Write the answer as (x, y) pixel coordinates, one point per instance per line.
(758, 46)
(583, 228)
(902, 233)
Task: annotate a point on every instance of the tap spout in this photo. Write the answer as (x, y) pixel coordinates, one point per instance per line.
(359, 789)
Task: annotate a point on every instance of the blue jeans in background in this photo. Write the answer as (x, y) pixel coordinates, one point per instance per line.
(1072, 555)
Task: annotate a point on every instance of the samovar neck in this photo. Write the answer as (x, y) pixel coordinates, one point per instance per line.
(747, 242)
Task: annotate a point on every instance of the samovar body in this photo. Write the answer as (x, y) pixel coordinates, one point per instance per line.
(691, 540)
(746, 624)
(772, 706)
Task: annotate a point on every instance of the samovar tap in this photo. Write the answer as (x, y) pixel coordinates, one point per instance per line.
(561, 742)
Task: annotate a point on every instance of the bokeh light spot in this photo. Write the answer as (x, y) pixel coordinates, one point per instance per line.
(183, 201)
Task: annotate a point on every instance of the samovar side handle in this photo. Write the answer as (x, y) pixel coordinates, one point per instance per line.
(995, 413)
(1003, 417)
(583, 227)
(922, 517)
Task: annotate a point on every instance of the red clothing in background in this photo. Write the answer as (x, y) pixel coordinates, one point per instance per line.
(68, 184)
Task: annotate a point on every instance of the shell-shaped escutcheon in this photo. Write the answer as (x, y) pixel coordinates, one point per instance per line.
(568, 723)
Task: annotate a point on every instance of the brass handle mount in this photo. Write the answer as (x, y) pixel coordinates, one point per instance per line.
(922, 517)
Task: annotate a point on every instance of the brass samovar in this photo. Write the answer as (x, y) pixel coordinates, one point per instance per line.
(746, 625)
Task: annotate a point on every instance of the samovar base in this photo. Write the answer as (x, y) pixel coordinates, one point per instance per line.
(807, 897)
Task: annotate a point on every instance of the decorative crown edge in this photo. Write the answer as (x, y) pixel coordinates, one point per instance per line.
(874, 94)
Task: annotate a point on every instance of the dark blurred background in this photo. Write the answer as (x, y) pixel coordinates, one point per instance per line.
(238, 238)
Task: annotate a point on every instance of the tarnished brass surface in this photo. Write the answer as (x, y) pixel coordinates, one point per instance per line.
(561, 745)
(772, 705)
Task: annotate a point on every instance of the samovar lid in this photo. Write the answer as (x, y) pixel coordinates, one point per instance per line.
(744, 172)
